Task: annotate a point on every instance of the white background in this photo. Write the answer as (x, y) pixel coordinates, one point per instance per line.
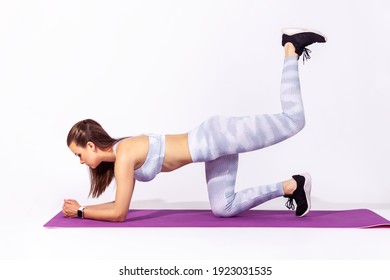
(164, 67)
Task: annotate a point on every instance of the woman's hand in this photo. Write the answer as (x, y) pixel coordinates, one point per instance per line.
(70, 208)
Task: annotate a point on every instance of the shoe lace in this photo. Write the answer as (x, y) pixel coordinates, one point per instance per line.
(290, 204)
(306, 54)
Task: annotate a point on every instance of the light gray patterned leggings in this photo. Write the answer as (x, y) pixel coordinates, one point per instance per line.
(220, 139)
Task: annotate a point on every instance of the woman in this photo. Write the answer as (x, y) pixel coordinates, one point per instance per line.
(217, 142)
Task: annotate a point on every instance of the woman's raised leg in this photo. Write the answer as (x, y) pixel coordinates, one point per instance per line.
(220, 139)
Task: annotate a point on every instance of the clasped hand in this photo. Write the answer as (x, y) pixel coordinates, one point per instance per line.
(70, 208)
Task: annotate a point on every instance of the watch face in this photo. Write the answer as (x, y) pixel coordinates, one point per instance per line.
(79, 213)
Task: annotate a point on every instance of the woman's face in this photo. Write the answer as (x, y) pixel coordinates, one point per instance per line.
(87, 155)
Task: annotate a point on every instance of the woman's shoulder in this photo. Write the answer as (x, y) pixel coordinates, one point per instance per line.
(133, 140)
(132, 147)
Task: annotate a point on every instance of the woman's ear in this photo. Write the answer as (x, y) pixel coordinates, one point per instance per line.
(91, 146)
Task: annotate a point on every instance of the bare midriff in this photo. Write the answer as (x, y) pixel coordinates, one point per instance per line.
(177, 152)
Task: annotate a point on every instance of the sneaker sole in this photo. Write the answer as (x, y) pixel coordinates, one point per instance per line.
(293, 31)
(307, 189)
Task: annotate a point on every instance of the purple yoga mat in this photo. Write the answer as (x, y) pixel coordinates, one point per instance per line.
(357, 218)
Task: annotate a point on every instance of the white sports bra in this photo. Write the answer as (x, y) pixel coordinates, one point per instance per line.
(154, 160)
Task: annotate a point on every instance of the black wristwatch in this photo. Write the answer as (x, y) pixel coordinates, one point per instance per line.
(80, 212)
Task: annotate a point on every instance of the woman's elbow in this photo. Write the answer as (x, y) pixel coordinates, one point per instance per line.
(120, 217)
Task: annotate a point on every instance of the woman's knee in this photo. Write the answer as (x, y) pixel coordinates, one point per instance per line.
(300, 123)
(221, 211)
(297, 122)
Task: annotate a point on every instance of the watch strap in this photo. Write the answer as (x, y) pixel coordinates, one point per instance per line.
(80, 212)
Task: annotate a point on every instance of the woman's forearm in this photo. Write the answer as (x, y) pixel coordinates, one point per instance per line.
(102, 206)
(104, 214)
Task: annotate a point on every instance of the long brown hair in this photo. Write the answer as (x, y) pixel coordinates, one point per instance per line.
(91, 131)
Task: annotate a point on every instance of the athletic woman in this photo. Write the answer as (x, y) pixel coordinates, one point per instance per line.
(217, 142)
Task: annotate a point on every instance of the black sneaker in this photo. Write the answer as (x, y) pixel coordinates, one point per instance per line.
(301, 195)
(301, 38)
